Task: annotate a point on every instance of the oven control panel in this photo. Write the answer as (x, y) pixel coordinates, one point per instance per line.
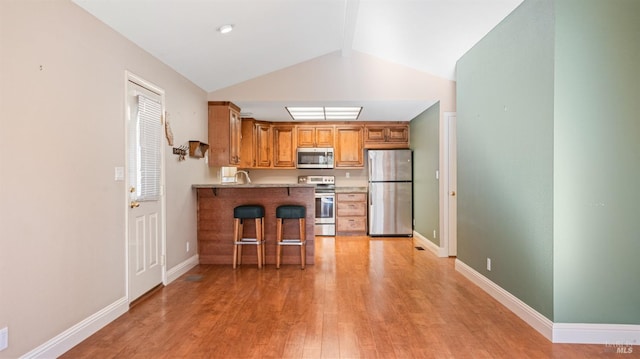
(313, 179)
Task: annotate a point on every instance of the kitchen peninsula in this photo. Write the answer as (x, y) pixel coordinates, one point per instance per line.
(215, 220)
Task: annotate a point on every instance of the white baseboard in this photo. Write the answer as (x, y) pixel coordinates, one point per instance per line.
(536, 320)
(616, 335)
(619, 335)
(182, 268)
(71, 337)
(440, 252)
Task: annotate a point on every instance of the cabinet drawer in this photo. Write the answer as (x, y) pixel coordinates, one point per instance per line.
(351, 224)
(352, 209)
(352, 197)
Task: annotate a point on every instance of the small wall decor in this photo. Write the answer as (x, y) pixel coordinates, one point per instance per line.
(181, 152)
(167, 129)
(197, 149)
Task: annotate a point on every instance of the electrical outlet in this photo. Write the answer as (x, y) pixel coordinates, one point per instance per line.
(4, 338)
(434, 234)
(347, 175)
(489, 264)
(187, 247)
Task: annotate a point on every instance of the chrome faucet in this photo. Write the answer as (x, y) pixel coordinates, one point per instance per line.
(246, 174)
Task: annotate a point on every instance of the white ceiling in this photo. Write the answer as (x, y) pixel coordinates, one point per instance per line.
(269, 35)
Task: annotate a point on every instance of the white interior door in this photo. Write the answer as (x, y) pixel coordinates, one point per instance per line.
(145, 247)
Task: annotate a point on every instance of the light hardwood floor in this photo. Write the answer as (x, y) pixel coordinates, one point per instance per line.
(364, 298)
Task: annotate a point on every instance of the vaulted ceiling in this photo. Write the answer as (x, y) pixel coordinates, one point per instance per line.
(428, 36)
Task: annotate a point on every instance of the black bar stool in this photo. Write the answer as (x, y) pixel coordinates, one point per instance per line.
(290, 212)
(240, 214)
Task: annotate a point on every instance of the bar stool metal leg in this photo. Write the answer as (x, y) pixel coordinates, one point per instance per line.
(278, 240)
(303, 247)
(259, 247)
(236, 231)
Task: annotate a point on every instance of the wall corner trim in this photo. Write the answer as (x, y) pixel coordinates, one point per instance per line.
(440, 252)
(181, 268)
(536, 320)
(71, 337)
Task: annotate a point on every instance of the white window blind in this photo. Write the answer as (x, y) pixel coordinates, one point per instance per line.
(146, 140)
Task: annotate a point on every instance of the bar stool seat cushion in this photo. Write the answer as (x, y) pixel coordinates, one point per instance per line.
(248, 211)
(290, 212)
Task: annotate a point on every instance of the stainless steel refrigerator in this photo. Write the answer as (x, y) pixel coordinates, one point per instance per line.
(390, 192)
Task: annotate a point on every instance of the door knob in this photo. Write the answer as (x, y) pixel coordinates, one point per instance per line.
(134, 204)
(453, 193)
(132, 189)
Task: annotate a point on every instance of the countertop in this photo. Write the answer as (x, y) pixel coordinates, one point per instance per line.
(339, 189)
(252, 185)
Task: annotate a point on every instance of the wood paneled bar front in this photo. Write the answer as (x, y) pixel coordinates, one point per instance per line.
(215, 220)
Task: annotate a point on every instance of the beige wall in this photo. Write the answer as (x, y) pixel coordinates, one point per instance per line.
(62, 214)
(334, 77)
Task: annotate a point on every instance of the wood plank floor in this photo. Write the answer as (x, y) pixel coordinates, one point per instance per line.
(364, 298)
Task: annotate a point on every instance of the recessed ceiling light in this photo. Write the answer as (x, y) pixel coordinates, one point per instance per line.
(225, 29)
(324, 113)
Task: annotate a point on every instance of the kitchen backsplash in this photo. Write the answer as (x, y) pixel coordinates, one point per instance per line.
(344, 178)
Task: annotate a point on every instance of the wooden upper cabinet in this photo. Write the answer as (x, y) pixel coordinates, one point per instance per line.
(284, 146)
(263, 144)
(386, 136)
(306, 136)
(256, 144)
(259, 144)
(248, 144)
(349, 150)
(314, 136)
(225, 133)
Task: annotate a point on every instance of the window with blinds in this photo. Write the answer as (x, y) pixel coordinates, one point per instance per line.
(145, 146)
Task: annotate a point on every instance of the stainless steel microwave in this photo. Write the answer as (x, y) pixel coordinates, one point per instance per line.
(315, 157)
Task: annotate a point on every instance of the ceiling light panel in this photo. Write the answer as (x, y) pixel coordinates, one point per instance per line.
(342, 113)
(324, 113)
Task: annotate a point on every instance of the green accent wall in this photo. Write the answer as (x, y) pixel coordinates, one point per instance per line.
(597, 162)
(505, 155)
(424, 131)
(549, 158)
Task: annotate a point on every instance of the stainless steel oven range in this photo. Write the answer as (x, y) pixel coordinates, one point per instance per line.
(325, 222)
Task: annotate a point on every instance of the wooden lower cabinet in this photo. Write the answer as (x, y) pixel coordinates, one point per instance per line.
(351, 214)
